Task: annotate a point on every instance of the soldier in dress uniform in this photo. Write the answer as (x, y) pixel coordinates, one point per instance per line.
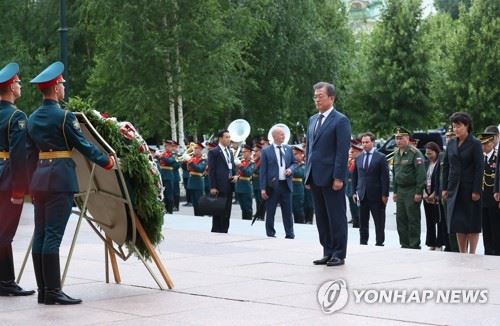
(409, 183)
(196, 183)
(354, 151)
(185, 177)
(53, 133)
(177, 178)
(13, 182)
(167, 162)
(244, 187)
(298, 185)
(260, 205)
(491, 209)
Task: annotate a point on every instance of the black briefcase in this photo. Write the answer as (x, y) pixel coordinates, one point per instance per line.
(210, 205)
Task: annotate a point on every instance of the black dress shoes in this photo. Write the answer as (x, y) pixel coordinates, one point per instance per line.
(56, 296)
(290, 237)
(322, 261)
(334, 261)
(10, 288)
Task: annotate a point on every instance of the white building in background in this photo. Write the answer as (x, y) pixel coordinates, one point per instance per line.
(363, 14)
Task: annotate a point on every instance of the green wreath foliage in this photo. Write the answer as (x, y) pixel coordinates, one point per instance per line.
(142, 184)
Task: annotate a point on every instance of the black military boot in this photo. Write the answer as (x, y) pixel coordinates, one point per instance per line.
(37, 265)
(52, 280)
(246, 215)
(8, 287)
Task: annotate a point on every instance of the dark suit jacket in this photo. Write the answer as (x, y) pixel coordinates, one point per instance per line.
(269, 170)
(218, 171)
(327, 152)
(463, 169)
(374, 183)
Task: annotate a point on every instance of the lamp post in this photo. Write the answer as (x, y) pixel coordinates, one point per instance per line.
(63, 49)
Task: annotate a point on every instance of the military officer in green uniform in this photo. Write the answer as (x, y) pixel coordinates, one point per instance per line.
(52, 135)
(298, 185)
(244, 187)
(13, 182)
(260, 205)
(167, 162)
(409, 181)
(196, 182)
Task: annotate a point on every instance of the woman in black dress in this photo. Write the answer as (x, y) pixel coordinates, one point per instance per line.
(463, 168)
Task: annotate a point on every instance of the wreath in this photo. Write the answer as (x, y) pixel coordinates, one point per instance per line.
(144, 181)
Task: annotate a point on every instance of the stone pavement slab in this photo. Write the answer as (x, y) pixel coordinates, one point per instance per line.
(245, 278)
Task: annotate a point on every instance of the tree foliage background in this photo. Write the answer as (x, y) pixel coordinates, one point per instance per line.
(202, 63)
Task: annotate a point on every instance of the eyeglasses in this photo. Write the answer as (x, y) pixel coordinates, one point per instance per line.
(319, 97)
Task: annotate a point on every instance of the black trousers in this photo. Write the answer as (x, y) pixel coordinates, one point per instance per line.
(437, 233)
(220, 223)
(491, 230)
(377, 208)
(9, 220)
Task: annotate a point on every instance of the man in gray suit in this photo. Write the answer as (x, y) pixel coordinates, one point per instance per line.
(328, 141)
(276, 168)
(371, 188)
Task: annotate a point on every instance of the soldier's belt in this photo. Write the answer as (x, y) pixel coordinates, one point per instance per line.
(196, 174)
(297, 179)
(166, 168)
(4, 155)
(54, 155)
(245, 178)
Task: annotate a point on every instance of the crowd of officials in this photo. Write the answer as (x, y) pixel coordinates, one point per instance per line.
(459, 186)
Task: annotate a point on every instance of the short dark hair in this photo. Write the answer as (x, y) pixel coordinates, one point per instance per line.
(330, 89)
(221, 133)
(433, 147)
(369, 134)
(463, 118)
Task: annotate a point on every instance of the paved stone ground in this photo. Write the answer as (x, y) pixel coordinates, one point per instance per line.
(245, 278)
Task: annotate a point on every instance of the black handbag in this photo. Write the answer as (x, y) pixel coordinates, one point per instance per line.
(210, 205)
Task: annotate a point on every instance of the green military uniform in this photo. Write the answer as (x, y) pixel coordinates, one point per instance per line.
(298, 193)
(308, 206)
(244, 188)
(196, 181)
(167, 162)
(409, 180)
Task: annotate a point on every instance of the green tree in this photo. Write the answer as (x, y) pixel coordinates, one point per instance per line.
(391, 87)
(156, 56)
(473, 83)
(452, 7)
(303, 42)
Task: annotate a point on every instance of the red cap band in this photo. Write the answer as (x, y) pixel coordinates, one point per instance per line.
(50, 83)
(8, 82)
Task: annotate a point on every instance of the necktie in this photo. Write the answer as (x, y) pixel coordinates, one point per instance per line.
(281, 155)
(367, 159)
(320, 121)
(228, 157)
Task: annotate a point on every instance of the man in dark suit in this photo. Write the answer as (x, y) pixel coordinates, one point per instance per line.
(328, 141)
(221, 174)
(276, 168)
(371, 189)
